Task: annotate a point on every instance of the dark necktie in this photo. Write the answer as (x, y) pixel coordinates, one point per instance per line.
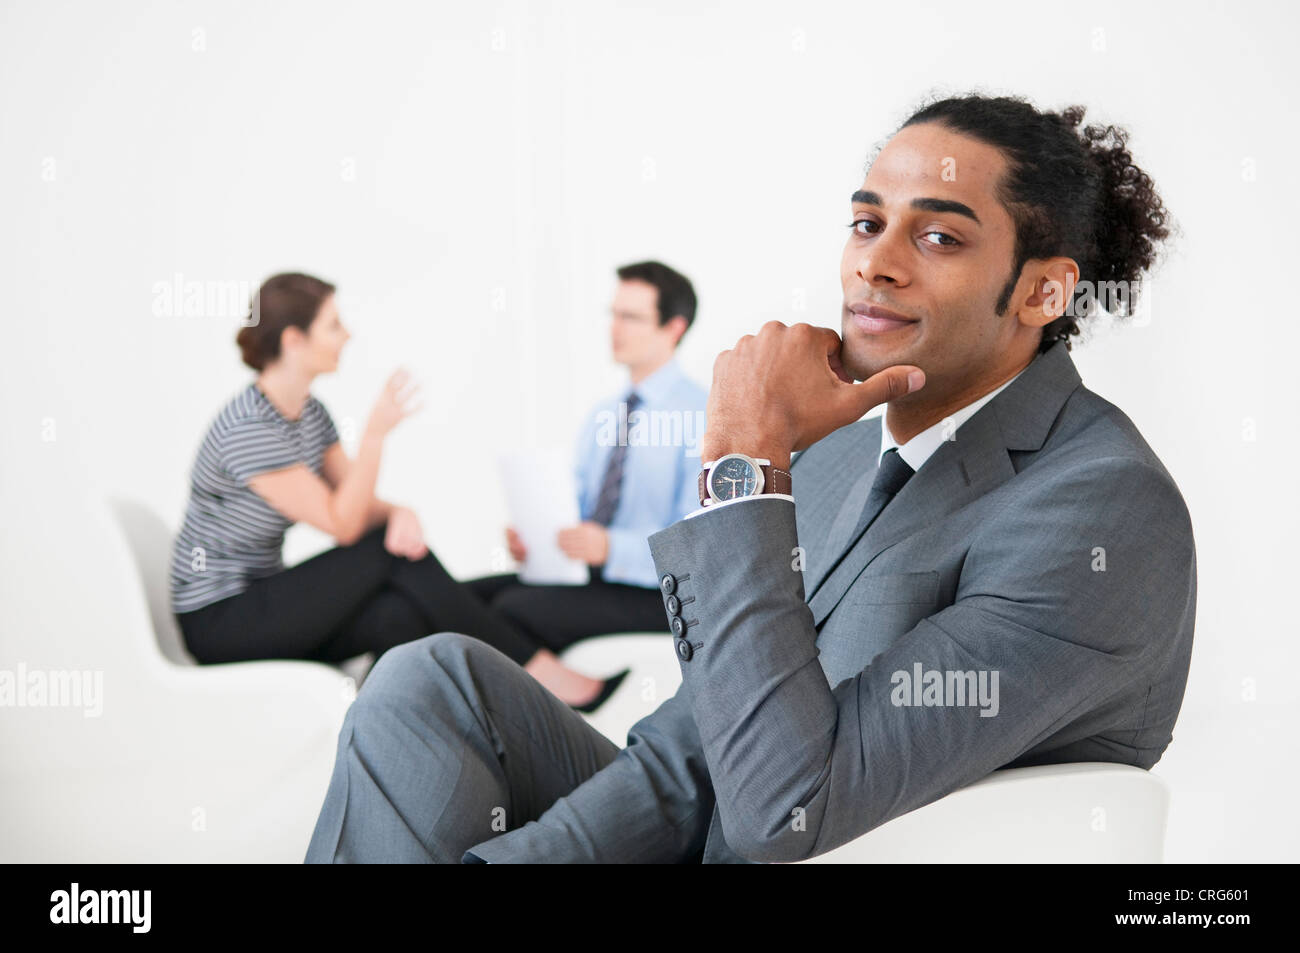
(611, 486)
(890, 477)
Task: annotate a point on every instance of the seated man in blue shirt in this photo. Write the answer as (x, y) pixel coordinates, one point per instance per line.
(638, 463)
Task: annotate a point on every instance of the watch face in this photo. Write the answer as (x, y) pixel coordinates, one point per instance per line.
(732, 477)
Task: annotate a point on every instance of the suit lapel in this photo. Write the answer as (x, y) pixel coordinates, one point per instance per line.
(832, 517)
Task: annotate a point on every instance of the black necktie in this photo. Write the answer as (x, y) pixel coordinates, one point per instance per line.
(890, 477)
(611, 485)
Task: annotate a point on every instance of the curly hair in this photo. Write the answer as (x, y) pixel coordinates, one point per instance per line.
(1071, 193)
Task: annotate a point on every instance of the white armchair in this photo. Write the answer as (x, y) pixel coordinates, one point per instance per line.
(182, 762)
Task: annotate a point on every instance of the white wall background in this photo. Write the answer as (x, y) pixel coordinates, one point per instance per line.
(471, 174)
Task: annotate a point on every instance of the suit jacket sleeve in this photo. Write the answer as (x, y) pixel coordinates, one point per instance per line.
(800, 767)
(651, 804)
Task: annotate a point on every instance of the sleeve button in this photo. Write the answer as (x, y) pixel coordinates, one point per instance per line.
(674, 605)
(679, 627)
(668, 584)
(684, 650)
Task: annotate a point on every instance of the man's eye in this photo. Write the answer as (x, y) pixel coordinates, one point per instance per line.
(949, 241)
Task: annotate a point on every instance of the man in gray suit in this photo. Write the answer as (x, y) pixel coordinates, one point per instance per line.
(998, 572)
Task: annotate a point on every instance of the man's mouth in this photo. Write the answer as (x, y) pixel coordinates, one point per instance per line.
(873, 319)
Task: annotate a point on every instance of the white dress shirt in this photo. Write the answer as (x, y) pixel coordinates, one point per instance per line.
(919, 449)
(914, 453)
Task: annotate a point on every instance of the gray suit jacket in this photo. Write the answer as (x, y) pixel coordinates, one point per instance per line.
(1045, 543)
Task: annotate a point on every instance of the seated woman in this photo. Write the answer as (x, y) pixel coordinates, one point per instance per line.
(272, 458)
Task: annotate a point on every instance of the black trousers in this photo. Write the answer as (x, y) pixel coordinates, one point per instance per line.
(558, 616)
(343, 603)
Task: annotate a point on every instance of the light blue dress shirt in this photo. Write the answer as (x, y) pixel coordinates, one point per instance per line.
(660, 472)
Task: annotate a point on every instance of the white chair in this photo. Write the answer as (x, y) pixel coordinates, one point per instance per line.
(181, 762)
(654, 676)
(150, 540)
(1093, 812)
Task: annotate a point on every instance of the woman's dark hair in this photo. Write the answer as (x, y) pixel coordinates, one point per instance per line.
(288, 300)
(676, 294)
(1076, 194)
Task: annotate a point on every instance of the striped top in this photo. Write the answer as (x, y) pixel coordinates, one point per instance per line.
(232, 536)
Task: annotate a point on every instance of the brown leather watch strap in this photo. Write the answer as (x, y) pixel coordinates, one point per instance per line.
(777, 481)
(774, 481)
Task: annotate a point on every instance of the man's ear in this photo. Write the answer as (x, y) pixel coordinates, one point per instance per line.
(676, 326)
(1053, 289)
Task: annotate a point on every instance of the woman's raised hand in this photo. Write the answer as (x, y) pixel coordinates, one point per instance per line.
(395, 404)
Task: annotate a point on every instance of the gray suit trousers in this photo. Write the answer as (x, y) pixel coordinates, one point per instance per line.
(448, 744)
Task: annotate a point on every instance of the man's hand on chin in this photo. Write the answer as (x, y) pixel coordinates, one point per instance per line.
(785, 388)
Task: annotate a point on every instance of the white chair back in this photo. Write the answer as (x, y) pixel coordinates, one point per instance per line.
(150, 540)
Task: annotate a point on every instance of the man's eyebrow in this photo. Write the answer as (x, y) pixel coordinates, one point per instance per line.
(924, 205)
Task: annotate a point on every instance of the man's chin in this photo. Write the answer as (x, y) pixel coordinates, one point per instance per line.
(861, 366)
(865, 355)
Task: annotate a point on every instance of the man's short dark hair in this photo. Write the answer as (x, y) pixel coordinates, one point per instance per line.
(676, 295)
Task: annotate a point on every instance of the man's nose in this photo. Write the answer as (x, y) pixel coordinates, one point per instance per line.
(884, 261)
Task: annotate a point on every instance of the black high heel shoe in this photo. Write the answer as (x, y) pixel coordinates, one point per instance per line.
(610, 686)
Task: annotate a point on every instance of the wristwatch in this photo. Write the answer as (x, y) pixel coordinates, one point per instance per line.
(735, 475)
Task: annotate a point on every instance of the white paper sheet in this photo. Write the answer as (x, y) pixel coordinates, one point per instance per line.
(543, 499)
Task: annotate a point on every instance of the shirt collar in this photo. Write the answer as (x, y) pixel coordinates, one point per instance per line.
(656, 388)
(919, 449)
(269, 410)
